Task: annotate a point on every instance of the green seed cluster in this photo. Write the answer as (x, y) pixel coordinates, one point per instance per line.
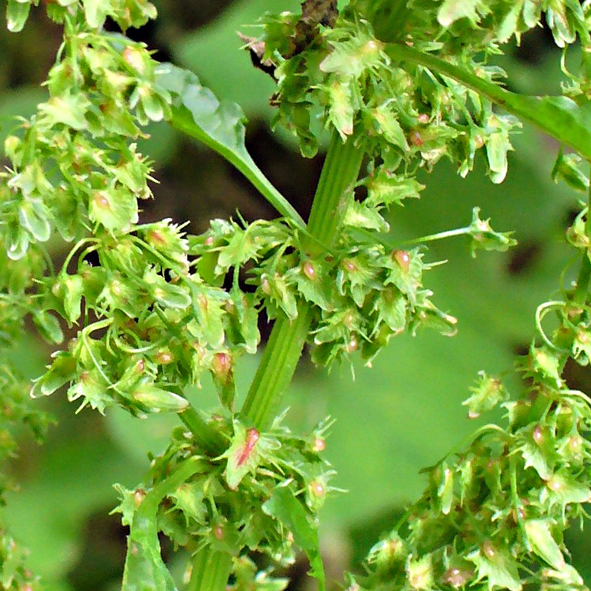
(361, 294)
(494, 515)
(407, 117)
(231, 503)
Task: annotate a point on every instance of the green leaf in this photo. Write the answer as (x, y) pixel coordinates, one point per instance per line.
(144, 569)
(559, 116)
(116, 210)
(486, 394)
(539, 536)
(197, 112)
(285, 507)
(49, 327)
(156, 399)
(16, 15)
(498, 566)
(96, 12)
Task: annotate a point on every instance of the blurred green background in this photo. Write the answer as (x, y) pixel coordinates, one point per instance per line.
(393, 419)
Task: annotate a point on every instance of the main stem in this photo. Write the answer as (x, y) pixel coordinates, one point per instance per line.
(284, 349)
(210, 568)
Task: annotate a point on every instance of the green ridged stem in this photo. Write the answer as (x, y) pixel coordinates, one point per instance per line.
(211, 570)
(277, 366)
(207, 438)
(284, 349)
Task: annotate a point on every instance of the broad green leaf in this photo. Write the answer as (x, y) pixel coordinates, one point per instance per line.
(241, 82)
(284, 506)
(559, 116)
(197, 112)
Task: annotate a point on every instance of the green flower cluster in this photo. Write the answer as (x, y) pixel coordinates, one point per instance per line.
(262, 494)
(74, 168)
(407, 117)
(126, 13)
(159, 326)
(361, 293)
(156, 309)
(494, 516)
(464, 28)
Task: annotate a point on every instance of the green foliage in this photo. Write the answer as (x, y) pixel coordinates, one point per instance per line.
(398, 86)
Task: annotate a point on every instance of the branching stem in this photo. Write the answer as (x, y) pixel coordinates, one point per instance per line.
(286, 343)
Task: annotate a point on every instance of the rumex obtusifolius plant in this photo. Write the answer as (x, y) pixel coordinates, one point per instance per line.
(396, 87)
